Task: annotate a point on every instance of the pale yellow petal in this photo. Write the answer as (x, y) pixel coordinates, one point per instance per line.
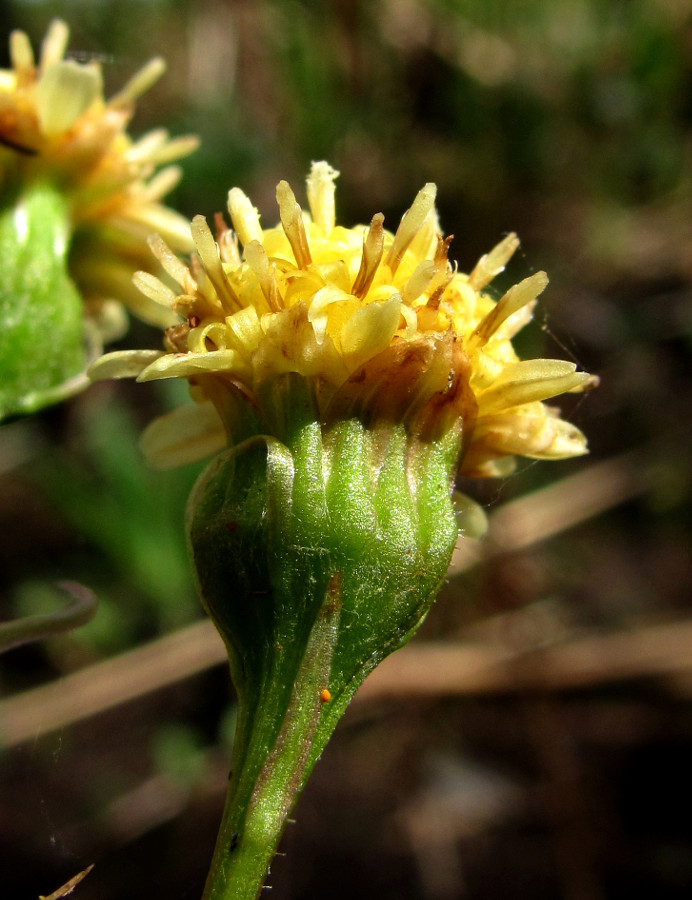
(174, 148)
(64, 93)
(534, 430)
(411, 223)
(370, 329)
(122, 364)
(321, 190)
(21, 53)
(170, 262)
(186, 434)
(244, 216)
(518, 296)
(147, 145)
(256, 257)
(245, 327)
(422, 276)
(153, 288)
(530, 380)
(493, 263)
(318, 314)
(139, 83)
(211, 260)
(292, 222)
(162, 183)
(54, 44)
(184, 365)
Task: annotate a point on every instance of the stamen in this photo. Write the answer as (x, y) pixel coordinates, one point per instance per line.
(209, 255)
(442, 251)
(373, 248)
(411, 223)
(518, 296)
(493, 263)
(139, 83)
(321, 191)
(292, 222)
(445, 273)
(256, 257)
(434, 300)
(227, 240)
(244, 216)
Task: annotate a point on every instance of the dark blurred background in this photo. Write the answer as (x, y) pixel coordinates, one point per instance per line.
(553, 761)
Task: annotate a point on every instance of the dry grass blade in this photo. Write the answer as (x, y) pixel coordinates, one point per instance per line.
(69, 886)
(552, 510)
(444, 669)
(107, 684)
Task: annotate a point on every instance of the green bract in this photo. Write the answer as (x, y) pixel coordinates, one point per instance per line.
(318, 552)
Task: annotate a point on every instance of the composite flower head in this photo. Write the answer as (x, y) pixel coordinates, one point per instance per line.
(351, 372)
(56, 126)
(78, 198)
(381, 324)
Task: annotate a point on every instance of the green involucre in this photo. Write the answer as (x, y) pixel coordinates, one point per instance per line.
(317, 555)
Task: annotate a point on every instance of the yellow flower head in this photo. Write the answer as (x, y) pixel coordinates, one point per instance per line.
(380, 324)
(56, 126)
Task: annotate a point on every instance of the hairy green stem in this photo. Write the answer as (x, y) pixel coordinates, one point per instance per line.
(262, 792)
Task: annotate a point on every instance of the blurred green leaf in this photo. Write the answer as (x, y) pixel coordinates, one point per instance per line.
(129, 514)
(177, 751)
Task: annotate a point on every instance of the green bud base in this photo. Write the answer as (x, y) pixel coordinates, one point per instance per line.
(318, 552)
